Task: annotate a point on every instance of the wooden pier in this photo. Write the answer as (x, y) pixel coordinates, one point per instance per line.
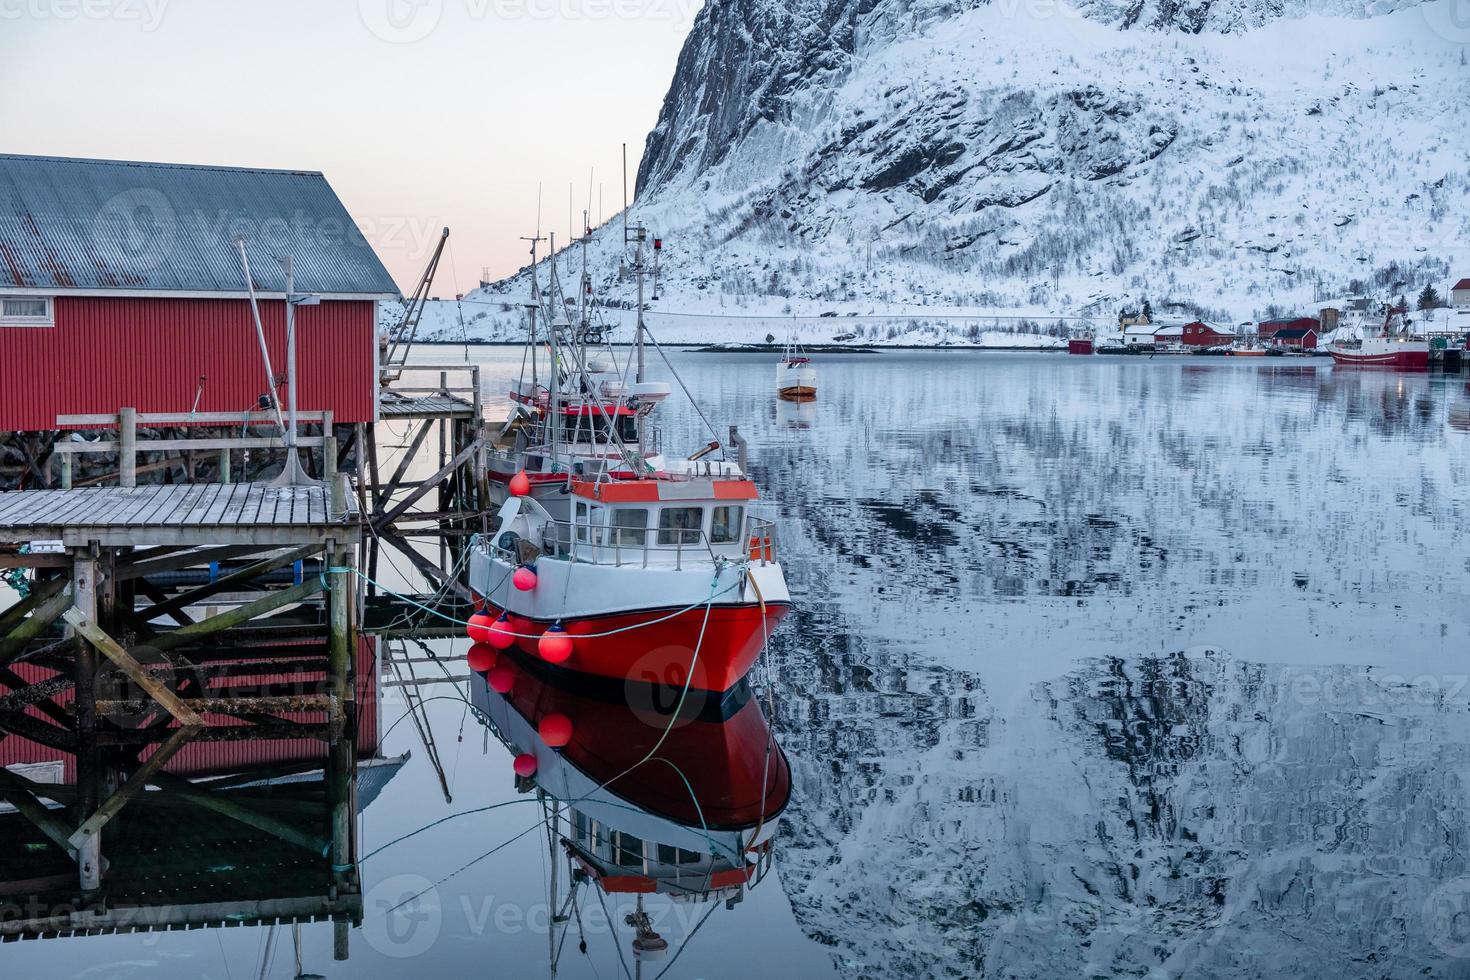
(164, 621)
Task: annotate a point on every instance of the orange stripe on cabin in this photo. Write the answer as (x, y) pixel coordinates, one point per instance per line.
(650, 491)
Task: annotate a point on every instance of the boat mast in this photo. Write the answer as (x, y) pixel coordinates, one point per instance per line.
(584, 289)
(639, 234)
(554, 420)
(532, 306)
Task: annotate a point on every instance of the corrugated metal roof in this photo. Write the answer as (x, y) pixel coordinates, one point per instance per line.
(82, 224)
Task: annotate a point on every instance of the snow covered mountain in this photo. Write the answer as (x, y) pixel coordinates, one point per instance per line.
(1027, 157)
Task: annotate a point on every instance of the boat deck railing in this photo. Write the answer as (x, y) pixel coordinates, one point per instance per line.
(601, 544)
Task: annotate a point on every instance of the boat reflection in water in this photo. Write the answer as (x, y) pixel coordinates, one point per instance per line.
(643, 799)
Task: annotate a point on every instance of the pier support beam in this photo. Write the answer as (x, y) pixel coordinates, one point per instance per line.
(89, 765)
(127, 447)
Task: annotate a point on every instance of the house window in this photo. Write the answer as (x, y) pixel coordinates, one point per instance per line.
(25, 311)
(680, 525)
(724, 524)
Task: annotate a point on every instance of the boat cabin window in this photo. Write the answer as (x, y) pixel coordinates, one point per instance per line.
(581, 428)
(627, 850)
(581, 519)
(629, 526)
(724, 524)
(680, 525)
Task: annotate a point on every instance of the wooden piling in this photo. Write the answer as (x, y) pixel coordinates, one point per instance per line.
(89, 766)
(127, 447)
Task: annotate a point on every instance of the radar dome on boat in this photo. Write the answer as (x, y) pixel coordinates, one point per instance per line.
(555, 730)
(555, 645)
(650, 391)
(501, 634)
(520, 484)
(525, 765)
(482, 657)
(478, 627)
(524, 578)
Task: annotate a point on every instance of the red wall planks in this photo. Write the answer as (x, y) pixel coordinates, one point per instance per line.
(105, 353)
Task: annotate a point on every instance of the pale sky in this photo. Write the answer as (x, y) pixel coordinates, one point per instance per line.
(422, 113)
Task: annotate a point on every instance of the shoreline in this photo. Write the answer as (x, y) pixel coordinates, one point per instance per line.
(694, 348)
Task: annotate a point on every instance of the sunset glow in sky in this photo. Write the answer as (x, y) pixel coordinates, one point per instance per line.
(422, 113)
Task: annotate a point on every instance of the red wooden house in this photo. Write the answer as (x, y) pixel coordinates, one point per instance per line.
(1201, 334)
(1291, 333)
(121, 284)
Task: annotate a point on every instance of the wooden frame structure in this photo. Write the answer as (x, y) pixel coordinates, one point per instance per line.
(133, 678)
(154, 610)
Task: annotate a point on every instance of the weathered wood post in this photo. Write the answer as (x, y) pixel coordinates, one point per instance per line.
(329, 452)
(65, 470)
(446, 499)
(127, 447)
(224, 465)
(89, 770)
(343, 643)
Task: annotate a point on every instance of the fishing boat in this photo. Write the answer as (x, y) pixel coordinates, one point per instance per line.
(1248, 350)
(608, 557)
(1379, 338)
(666, 578)
(694, 825)
(796, 378)
(575, 410)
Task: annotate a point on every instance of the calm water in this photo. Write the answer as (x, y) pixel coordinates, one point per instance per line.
(1101, 667)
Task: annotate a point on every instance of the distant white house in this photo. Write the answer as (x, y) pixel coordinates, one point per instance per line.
(1460, 294)
(1139, 335)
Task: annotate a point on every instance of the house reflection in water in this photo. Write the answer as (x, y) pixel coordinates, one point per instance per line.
(215, 827)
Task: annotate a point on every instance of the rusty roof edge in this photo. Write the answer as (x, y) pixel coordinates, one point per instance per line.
(161, 164)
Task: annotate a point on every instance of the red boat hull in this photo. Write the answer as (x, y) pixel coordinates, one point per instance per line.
(1411, 360)
(662, 651)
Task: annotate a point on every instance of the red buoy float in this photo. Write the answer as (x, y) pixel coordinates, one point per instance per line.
(501, 634)
(520, 484)
(478, 627)
(524, 578)
(525, 765)
(555, 730)
(555, 644)
(482, 657)
(477, 602)
(502, 678)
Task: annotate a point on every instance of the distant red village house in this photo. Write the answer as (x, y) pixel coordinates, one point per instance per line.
(1290, 333)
